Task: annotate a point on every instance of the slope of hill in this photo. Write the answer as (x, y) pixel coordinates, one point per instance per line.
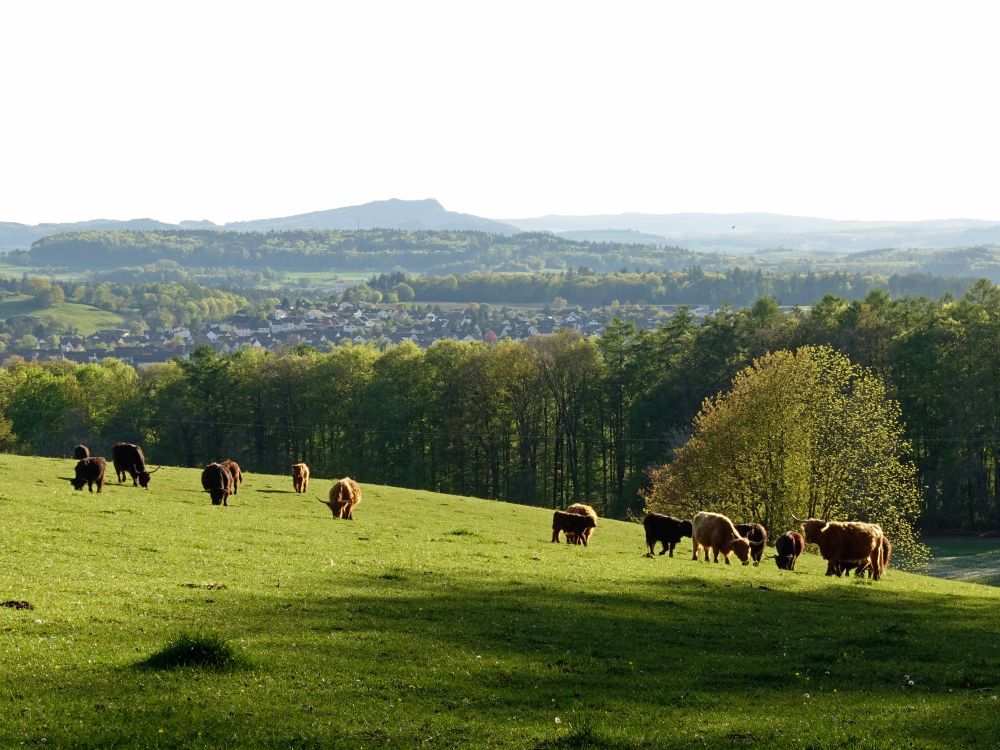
(83, 319)
(443, 621)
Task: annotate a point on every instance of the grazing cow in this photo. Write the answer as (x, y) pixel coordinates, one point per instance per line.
(89, 471)
(581, 510)
(300, 477)
(217, 481)
(756, 534)
(844, 543)
(716, 532)
(860, 568)
(128, 460)
(81, 452)
(234, 471)
(344, 495)
(788, 547)
(666, 530)
(571, 523)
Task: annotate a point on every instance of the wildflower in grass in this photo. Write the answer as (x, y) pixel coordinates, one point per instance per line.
(558, 720)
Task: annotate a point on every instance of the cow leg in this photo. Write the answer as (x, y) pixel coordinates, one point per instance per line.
(694, 549)
(665, 549)
(726, 558)
(555, 535)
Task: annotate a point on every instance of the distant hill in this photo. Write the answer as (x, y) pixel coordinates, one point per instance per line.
(390, 214)
(746, 233)
(615, 236)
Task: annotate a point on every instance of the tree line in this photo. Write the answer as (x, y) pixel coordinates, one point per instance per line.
(547, 421)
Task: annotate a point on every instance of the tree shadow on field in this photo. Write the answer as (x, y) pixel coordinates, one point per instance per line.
(685, 646)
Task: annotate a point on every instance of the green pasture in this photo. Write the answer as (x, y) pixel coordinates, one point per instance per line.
(72, 316)
(441, 621)
(966, 558)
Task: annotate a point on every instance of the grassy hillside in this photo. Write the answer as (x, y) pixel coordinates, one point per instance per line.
(84, 319)
(439, 621)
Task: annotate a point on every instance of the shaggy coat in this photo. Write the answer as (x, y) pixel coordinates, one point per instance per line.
(581, 510)
(666, 530)
(571, 523)
(787, 549)
(886, 553)
(234, 471)
(846, 543)
(88, 472)
(128, 460)
(714, 531)
(300, 477)
(217, 480)
(81, 452)
(344, 495)
(756, 534)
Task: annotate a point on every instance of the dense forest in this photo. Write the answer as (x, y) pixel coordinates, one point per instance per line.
(546, 421)
(361, 250)
(692, 286)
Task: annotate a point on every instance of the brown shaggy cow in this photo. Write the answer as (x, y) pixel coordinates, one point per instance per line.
(234, 471)
(128, 460)
(571, 523)
(88, 472)
(81, 452)
(886, 553)
(716, 532)
(300, 477)
(846, 542)
(756, 534)
(581, 510)
(217, 481)
(344, 495)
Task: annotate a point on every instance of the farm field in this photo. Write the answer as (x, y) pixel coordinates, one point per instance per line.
(84, 319)
(441, 621)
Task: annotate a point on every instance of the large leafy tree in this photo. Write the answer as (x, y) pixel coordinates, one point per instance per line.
(804, 433)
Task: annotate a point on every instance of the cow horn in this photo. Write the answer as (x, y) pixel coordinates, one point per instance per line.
(155, 470)
(799, 520)
(757, 544)
(325, 502)
(768, 557)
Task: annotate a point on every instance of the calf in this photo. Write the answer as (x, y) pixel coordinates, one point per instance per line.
(344, 495)
(234, 471)
(88, 472)
(714, 531)
(756, 534)
(217, 481)
(787, 549)
(571, 523)
(300, 477)
(666, 530)
(581, 510)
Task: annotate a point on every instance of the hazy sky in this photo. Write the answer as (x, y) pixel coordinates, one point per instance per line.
(241, 110)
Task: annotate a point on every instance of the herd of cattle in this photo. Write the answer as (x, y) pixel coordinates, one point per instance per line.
(218, 479)
(845, 545)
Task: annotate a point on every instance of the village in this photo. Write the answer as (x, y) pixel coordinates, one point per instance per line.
(337, 323)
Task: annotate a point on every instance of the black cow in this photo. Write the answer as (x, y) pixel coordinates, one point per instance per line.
(89, 471)
(757, 535)
(128, 460)
(787, 549)
(217, 481)
(666, 530)
(81, 452)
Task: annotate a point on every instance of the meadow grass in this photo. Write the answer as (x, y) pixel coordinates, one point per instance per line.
(441, 621)
(72, 316)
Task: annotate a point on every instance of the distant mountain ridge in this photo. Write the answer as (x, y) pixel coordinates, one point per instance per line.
(730, 234)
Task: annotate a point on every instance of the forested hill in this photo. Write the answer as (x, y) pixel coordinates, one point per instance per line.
(353, 250)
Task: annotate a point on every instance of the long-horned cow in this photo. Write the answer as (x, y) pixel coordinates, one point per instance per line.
(129, 461)
(844, 543)
(666, 530)
(217, 482)
(714, 531)
(344, 495)
(90, 471)
(756, 534)
(300, 477)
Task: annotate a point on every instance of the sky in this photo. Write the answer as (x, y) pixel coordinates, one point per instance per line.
(233, 111)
